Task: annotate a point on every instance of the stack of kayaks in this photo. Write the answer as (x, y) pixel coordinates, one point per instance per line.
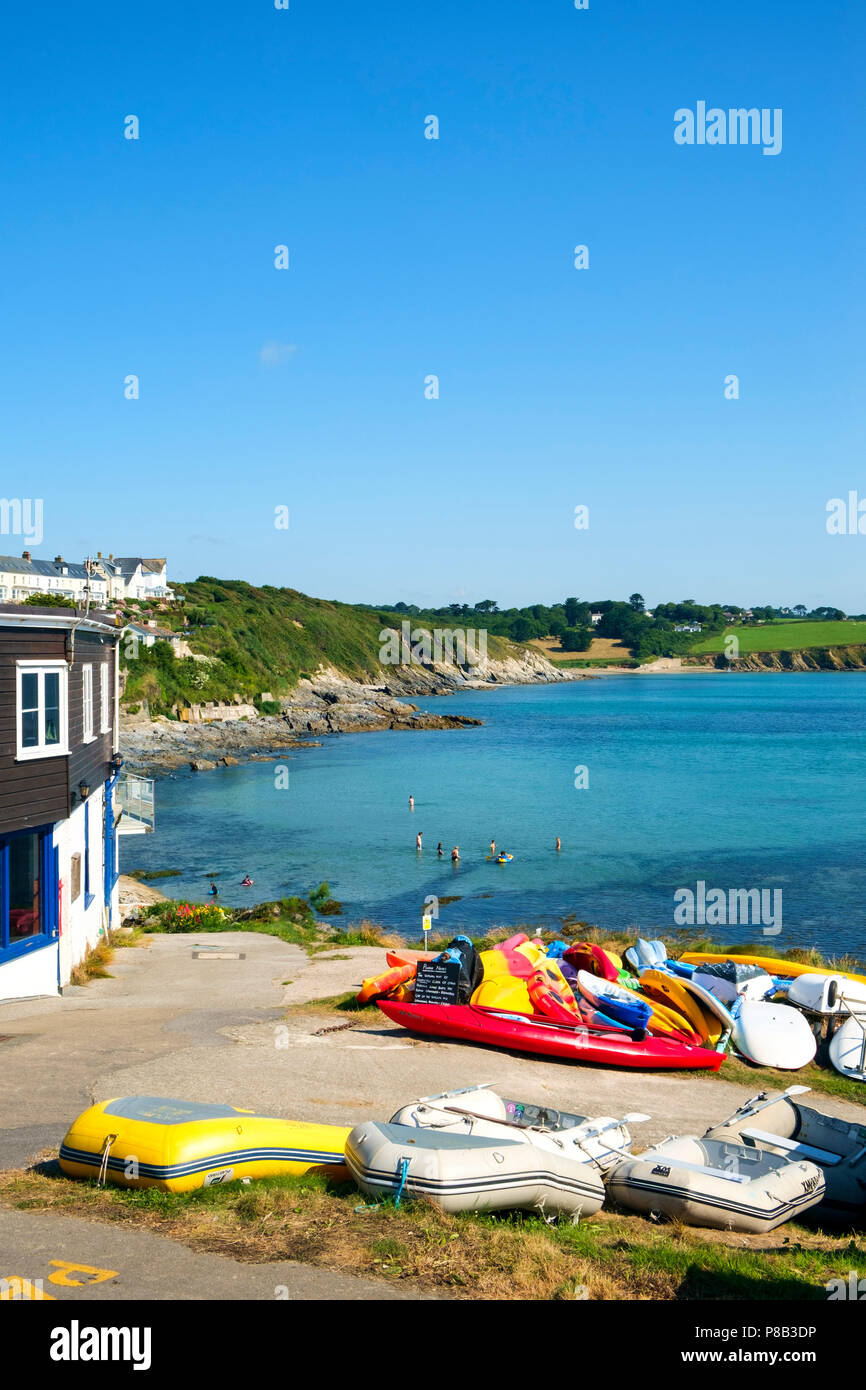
(616, 1011)
(568, 1001)
(836, 995)
(471, 1150)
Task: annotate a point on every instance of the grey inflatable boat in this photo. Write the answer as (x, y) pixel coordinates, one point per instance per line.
(468, 1172)
(710, 1182)
(775, 1122)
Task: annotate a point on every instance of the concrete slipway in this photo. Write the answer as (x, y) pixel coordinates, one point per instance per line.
(171, 1021)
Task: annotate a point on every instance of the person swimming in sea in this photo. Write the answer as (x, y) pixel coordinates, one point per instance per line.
(213, 891)
(246, 881)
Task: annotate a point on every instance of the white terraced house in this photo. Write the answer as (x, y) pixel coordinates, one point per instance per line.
(132, 577)
(20, 577)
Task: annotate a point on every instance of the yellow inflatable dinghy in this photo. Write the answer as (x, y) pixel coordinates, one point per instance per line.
(178, 1145)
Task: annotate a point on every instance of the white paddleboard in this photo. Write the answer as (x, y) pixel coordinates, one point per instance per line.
(827, 994)
(846, 1049)
(773, 1035)
(714, 1005)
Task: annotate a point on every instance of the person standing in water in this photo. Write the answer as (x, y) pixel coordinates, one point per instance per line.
(411, 803)
(558, 843)
(455, 854)
(214, 892)
(439, 850)
(492, 846)
(418, 841)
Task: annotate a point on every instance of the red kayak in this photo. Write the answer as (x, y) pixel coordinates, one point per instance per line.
(532, 1033)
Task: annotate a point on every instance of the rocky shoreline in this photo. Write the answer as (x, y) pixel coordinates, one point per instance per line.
(328, 704)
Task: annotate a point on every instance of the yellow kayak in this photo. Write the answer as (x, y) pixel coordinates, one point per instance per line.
(178, 1145)
(658, 985)
(773, 965)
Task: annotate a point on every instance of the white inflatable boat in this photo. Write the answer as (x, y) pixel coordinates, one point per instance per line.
(470, 1172)
(775, 1122)
(827, 994)
(848, 1047)
(711, 1182)
(479, 1111)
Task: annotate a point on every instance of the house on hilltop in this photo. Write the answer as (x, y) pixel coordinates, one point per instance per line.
(132, 577)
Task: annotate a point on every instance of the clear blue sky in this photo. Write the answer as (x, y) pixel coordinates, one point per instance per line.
(410, 257)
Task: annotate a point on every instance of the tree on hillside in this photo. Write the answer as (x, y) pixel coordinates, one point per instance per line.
(576, 613)
(799, 610)
(487, 605)
(47, 601)
(522, 629)
(576, 639)
(637, 602)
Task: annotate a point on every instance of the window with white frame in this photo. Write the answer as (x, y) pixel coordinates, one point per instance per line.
(105, 693)
(41, 709)
(87, 702)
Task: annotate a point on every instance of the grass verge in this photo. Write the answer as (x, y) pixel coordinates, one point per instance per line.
(95, 964)
(515, 1256)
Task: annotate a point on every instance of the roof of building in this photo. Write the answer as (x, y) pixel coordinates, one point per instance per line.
(155, 631)
(21, 615)
(64, 569)
(130, 563)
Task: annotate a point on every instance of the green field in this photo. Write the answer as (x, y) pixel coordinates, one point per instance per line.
(786, 637)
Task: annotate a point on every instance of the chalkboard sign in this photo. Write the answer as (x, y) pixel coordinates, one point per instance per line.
(436, 981)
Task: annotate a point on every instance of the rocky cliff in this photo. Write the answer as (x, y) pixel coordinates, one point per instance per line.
(811, 659)
(330, 703)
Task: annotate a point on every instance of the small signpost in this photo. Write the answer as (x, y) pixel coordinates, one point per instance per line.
(426, 924)
(437, 982)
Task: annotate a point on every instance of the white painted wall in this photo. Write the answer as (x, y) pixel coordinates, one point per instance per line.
(81, 927)
(31, 974)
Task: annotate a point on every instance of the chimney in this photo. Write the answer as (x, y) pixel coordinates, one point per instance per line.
(58, 559)
(25, 555)
(99, 554)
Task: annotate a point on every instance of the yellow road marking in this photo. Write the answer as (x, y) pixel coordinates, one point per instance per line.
(67, 1268)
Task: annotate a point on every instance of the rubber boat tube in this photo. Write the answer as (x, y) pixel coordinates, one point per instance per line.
(775, 1122)
(710, 1182)
(466, 1172)
(178, 1145)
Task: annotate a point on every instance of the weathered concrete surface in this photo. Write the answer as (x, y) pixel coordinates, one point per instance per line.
(237, 1031)
(142, 1264)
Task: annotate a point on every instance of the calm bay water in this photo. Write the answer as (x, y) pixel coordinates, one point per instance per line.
(742, 781)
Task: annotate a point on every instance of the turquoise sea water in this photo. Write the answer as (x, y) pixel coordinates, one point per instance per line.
(742, 781)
